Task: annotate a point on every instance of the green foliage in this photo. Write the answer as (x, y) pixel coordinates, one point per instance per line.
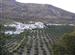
(3, 50)
(1, 27)
(58, 31)
(58, 50)
(66, 45)
(3, 38)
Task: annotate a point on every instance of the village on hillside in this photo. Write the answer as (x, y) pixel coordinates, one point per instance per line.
(20, 27)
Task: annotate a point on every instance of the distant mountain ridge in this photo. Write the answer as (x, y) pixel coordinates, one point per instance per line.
(10, 9)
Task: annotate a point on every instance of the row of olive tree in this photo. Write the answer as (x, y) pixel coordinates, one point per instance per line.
(3, 38)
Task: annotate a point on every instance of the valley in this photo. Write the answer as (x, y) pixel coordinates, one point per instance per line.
(35, 29)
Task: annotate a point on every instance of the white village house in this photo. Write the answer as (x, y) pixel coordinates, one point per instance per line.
(20, 27)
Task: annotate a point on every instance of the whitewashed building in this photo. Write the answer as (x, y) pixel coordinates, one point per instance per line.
(40, 25)
(20, 27)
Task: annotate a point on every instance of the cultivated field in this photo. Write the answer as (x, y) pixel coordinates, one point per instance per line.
(37, 41)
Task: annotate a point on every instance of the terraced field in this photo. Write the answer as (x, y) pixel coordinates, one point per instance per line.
(34, 42)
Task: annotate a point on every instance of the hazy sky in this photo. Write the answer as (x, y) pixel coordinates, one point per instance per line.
(68, 5)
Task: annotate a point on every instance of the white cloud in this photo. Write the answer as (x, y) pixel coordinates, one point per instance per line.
(68, 5)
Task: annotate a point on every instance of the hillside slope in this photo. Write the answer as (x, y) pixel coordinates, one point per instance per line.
(10, 9)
